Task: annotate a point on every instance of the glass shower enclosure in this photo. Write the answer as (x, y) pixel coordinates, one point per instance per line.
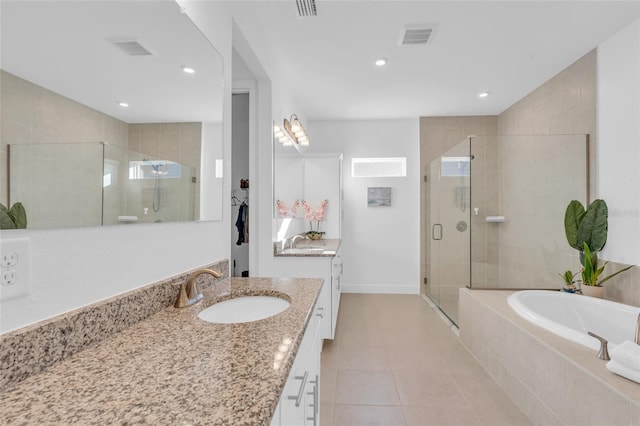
(495, 214)
(448, 238)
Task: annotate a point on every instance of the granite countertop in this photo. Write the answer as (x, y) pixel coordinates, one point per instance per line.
(174, 368)
(307, 248)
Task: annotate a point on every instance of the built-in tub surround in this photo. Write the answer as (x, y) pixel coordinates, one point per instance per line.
(174, 368)
(554, 381)
(31, 349)
(572, 316)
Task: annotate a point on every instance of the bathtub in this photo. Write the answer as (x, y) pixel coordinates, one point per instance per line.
(573, 315)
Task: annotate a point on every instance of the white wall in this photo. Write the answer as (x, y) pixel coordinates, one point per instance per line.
(380, 244)
(619, 141)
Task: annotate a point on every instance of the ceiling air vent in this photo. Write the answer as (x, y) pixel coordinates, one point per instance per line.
(412, 36)
(306, 8)
(131, 46)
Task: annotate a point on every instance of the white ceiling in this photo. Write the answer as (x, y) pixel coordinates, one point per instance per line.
(63, 46)
(507, 48)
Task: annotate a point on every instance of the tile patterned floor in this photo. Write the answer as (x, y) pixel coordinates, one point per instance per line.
(394, 362)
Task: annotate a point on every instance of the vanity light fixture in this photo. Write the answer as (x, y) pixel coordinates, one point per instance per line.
(483, 94)
(123, 104)
(188, 70)
(295, 131)
(280, 136)
(381, 62)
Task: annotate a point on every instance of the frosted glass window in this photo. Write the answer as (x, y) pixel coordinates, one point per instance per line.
(379, 167)
(455, 166)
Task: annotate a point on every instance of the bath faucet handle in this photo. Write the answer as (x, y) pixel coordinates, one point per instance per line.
(603, 353)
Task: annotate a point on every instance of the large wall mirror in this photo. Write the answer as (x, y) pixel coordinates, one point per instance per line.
(111, 114)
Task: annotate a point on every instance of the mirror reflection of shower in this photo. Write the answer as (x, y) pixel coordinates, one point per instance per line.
(158, 168)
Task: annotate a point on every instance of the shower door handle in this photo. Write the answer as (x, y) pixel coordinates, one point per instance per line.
(436, 232)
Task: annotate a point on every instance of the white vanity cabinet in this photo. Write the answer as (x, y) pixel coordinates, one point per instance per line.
(300, 401)
(328, 268)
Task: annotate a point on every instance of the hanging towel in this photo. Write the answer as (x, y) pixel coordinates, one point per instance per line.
(625, 361)
(240, 223)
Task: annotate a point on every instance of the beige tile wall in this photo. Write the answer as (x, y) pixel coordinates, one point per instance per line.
(566, 104)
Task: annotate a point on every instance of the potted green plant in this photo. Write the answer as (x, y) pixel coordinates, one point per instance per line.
(569, 282)
(586, 231)
(13, 218)
(591, 282)
(588, 226)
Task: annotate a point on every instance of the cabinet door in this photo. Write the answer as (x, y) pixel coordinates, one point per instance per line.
(323, 309)
(294, 399)
(312, 393)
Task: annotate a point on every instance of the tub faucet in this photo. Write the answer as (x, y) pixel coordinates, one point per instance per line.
(603, 353)
(189, 293)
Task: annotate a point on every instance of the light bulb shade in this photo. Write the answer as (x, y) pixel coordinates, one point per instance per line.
(295, 124)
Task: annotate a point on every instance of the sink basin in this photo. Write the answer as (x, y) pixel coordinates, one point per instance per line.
(243, 309)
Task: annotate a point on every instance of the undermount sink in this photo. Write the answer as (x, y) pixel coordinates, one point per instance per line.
(243, 309)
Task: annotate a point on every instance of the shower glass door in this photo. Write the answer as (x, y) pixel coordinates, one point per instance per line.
(449, 232)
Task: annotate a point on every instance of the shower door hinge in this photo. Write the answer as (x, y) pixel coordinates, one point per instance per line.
(425, 280)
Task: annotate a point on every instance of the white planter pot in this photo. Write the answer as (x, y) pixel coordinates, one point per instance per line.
(592, 291)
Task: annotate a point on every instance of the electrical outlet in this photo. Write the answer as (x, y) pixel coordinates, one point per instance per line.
(9, 259)
(8, 277)
(15, 271)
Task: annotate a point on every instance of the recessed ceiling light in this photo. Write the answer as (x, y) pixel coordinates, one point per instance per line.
(483, 94)
(381, 62)
(123, 104)
(188, 70)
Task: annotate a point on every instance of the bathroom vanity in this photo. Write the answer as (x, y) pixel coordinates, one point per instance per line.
(174, 368)
(315, 259)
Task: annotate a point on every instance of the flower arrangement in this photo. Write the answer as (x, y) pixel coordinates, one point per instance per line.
(314, 215)
(285, 211)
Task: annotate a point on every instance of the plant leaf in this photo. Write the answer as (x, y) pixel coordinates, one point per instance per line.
(572, 219)
(613, 275)
(19, 215)
(594, 226)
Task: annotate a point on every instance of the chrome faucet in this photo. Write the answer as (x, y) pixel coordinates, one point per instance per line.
(294, 238)
(637, 337)
(189, 293)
